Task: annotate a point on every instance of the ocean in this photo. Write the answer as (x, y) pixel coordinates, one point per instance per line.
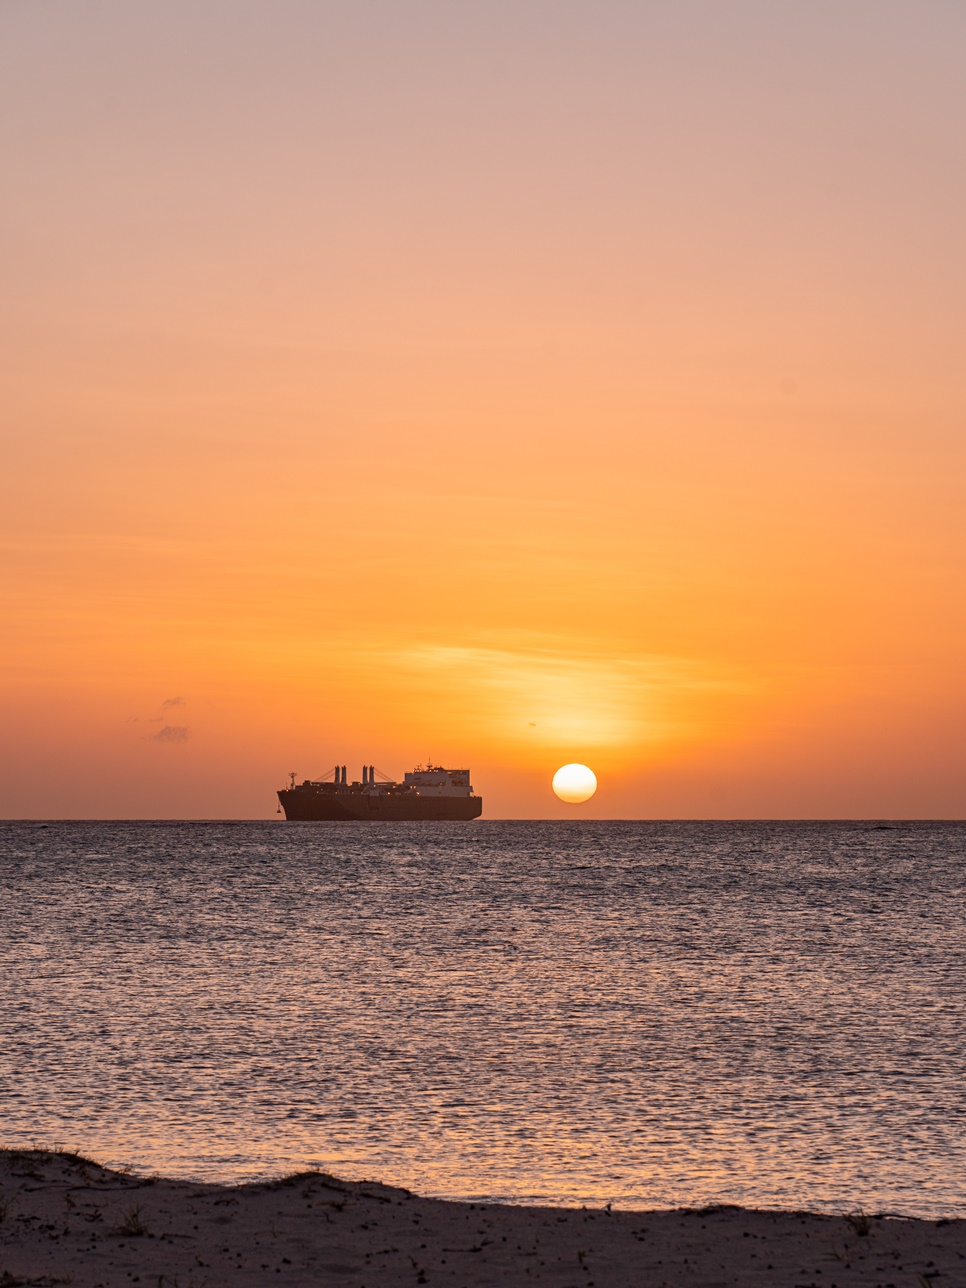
(640, 1013)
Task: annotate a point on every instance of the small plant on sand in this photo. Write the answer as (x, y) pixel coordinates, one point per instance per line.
(133, 1223)
(842, 1257)
(860, 1223)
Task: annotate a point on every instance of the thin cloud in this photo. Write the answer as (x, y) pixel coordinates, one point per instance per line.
(172, 702)
(565, 697)
(172, 734)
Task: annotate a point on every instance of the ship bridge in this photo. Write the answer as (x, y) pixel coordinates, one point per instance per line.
(436, 781)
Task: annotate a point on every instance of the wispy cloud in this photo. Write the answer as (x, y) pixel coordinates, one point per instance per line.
(172, 734)
(169, 733)
(558, 696)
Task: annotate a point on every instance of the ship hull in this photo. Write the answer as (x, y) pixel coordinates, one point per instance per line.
(334, 807)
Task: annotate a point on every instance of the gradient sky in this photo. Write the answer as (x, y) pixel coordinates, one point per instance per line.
(505, 384)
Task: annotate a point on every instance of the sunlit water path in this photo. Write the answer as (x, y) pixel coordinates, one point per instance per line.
(654, 1014)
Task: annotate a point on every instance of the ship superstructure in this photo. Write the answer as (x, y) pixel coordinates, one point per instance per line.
(427, 792)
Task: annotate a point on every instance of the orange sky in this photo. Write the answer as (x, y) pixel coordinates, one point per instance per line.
(507, 385)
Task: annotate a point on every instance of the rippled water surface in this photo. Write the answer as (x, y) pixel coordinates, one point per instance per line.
(655, 1014)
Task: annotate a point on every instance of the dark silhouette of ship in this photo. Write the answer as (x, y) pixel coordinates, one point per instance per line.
(428, 793)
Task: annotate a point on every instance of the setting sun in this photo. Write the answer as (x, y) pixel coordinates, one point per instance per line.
(574, 783)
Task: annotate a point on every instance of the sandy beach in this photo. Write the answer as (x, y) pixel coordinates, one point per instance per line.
(64, 1219)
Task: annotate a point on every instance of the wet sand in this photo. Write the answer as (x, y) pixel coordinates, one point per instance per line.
(66, 1220)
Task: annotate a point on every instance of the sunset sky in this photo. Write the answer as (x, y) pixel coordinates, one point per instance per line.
(505, 384)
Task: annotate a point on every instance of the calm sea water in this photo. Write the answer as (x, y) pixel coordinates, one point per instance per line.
(654, 1014)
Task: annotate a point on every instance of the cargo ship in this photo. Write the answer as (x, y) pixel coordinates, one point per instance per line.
(426, 793)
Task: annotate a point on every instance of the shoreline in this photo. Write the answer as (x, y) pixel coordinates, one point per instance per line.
(67, 1219)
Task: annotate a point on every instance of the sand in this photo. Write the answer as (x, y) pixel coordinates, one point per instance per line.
(64, 1219)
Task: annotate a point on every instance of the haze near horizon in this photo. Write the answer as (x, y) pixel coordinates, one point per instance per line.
(506, 385)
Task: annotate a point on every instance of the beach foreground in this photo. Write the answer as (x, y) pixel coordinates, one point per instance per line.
(65, 1219)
